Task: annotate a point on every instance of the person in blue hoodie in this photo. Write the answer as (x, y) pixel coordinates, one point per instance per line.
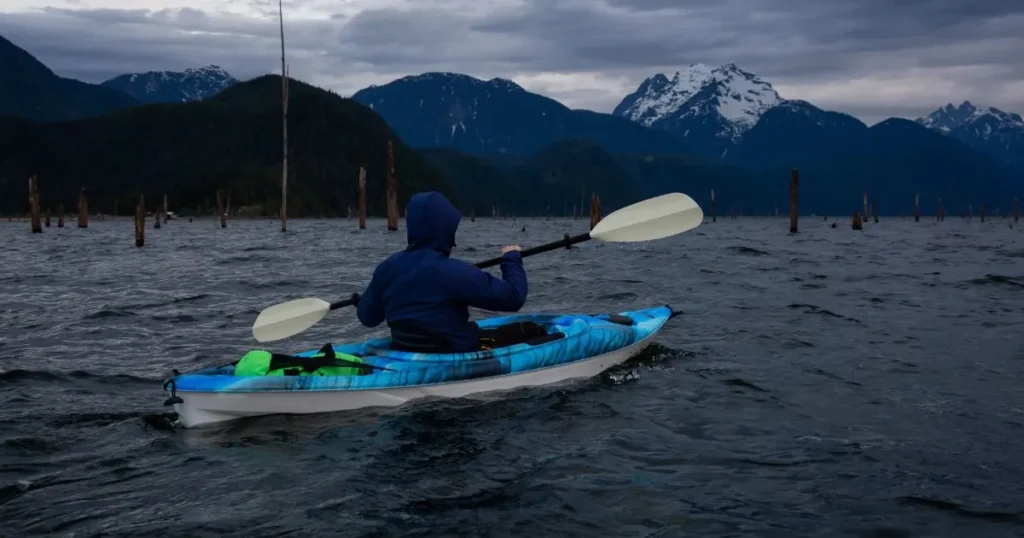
(425, 295)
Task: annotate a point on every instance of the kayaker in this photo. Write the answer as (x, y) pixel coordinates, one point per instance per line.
(425, 295)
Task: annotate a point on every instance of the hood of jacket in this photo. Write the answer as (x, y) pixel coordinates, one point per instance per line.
(431, 222)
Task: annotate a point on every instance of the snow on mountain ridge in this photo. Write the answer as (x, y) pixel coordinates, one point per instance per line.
(663, 96)
(738, 96)
(192, 84)
(995, 132)
(949, 117)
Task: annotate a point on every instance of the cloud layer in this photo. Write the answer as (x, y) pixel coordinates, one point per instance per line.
(869, 58)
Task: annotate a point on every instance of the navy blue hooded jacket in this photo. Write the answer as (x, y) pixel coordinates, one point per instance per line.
(422, 287)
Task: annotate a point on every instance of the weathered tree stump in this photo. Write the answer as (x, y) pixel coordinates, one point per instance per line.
(83, 210)
(33, 205)
(140, 222)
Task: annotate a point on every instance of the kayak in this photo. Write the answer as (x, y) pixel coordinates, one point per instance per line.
(576, 346)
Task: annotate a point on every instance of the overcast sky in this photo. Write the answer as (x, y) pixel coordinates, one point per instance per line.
(863, 57)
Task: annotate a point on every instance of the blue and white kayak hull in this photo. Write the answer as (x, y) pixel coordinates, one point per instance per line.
(589, 346)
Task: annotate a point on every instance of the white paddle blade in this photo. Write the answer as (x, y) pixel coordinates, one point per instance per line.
(287, 319)
(654, 218)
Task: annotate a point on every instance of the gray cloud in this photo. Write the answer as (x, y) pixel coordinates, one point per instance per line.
(870, 58)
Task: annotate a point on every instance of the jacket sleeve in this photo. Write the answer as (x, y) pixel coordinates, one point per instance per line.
(369, 310)
(480, 289)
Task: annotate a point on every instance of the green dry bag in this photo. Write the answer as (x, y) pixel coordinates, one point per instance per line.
(324, 363)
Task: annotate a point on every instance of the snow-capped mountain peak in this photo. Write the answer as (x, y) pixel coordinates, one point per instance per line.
(995, 132)
(738, 97)
(192, 84)
(949, 117)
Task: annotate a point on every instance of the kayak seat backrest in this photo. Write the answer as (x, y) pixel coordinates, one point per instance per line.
(403, 339)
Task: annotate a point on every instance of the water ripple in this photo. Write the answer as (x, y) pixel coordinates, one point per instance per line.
(826, 384)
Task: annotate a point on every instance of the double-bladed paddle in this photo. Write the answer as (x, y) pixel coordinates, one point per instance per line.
(654, 218)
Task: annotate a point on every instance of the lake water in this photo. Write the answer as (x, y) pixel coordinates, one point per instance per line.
(831, 383)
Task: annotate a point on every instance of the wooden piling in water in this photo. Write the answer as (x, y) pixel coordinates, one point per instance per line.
(83, 210)
(595, 209)
(874, 210)
(392, 194)
(982, 213)
(794, 200)
(140, 221)
(33, 204)
(47, 220)
(917, 207)
(163, 209)
(866, 213)
(714, 217)
(362, 198)
(1016, 210)
(857, 224)
(60, 215)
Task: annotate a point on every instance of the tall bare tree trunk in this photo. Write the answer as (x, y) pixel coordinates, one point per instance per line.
(284, 126)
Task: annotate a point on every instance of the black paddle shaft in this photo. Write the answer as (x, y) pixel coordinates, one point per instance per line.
(564, 242)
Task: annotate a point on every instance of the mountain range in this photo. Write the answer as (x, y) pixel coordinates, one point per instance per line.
(498, 117)
(710, 107)
(997, 133)
(230, 142)
(29, 89)
(492, 142)
(171, 86)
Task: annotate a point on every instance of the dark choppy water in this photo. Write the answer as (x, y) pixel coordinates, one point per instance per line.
(829, 384)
